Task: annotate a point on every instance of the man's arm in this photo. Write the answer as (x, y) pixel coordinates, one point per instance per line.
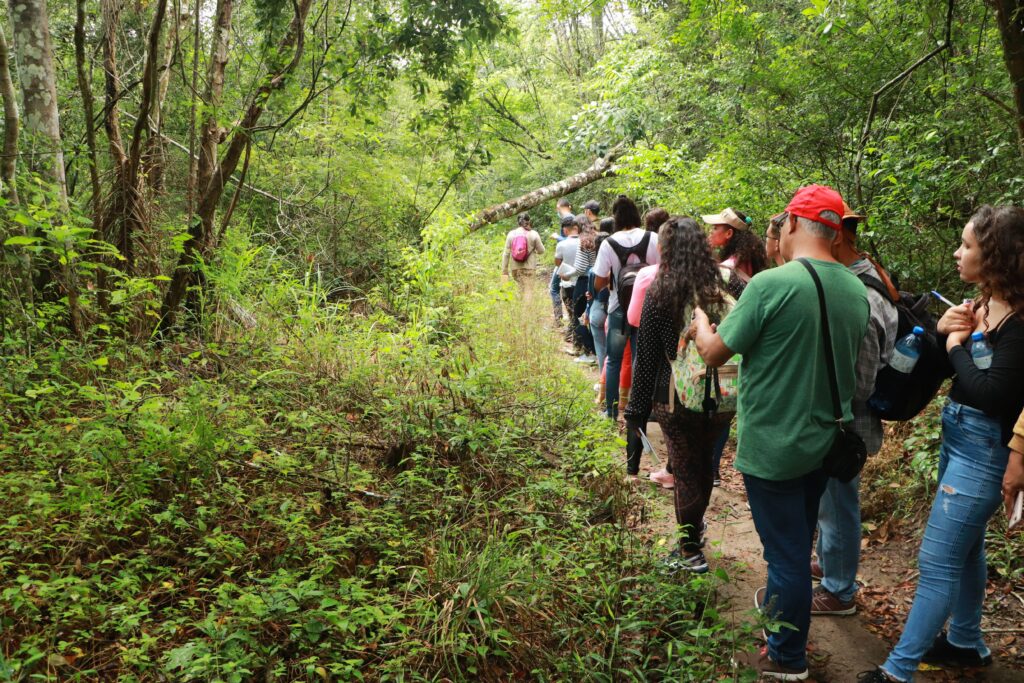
(709, 344)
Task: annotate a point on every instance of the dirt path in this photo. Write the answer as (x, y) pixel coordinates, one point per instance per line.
(840, 647)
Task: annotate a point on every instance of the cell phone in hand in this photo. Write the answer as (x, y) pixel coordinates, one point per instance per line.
(1018, 510)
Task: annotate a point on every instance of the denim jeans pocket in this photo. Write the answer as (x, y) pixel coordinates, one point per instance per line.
(978, 430)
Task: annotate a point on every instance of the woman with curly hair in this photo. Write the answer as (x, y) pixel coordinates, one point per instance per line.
(688, 277)
(740, 251)
(977, 422)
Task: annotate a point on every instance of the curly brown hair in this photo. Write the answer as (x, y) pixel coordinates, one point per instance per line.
(1000, 234)
(748, 248)
(688, 273)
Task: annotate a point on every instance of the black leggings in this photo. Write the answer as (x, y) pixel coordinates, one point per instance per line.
(690, 438)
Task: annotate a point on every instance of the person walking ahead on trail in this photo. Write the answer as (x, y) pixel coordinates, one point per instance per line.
(564, 211)
(977, 421)
(628, 249)
(839, 513)
(687, 277)
(565, 259)
(522, 245)
(786, 415)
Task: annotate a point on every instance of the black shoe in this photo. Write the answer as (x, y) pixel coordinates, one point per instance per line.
(874, 676)
(676, 562)
(944, 653)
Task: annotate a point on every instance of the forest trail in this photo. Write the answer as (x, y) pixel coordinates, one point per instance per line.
(840, 647)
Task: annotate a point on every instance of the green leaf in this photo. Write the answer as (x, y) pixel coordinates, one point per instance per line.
(19, 240)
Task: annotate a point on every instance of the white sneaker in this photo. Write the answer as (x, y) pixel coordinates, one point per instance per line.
(589, 360)
(597, 386)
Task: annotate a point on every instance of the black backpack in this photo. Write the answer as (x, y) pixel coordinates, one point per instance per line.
(897, 398)
(628, 272)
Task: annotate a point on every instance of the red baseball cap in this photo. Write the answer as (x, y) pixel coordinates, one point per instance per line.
(810, 201)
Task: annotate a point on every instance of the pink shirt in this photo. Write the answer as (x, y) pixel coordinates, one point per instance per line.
(636, 303)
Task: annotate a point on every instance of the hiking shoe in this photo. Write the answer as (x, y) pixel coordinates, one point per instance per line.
(766, 667)
(676, 562)
(944, 653)
(817, 574)
(875, 676)
(825, 604)
(663, 477)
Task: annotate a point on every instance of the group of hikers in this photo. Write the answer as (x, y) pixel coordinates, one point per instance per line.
(793, 336)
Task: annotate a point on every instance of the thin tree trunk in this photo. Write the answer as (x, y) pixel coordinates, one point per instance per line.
(85, 88)
(31, 27)
(601, 168)
(193, 159)
(201, 227)
(211, 134)
(154, 156)
(1010, 18)
(111, 10)
(8, 165)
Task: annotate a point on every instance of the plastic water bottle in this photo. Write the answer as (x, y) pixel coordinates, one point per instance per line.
(981, 351)
(907, 351)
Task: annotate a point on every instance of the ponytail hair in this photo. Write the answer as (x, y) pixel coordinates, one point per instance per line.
(523, 220)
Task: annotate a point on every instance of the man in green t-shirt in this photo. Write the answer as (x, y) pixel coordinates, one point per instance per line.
(785, 415)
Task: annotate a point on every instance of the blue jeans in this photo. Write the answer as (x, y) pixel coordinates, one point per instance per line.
(616, 347)
(839, 537)
(583, 335)
(785, 514)
(556, 294)
(972, 460)
(597, 318)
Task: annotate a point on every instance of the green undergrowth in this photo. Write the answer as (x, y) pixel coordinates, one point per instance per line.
(400, 490)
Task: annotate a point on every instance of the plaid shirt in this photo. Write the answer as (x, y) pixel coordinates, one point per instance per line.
(875, 353)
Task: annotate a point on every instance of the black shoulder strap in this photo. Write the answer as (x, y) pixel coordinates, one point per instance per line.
(874, 283)
(826, 333)
(623, 252)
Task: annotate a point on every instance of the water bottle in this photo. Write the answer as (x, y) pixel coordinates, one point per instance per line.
(981, 351)
(907, 351)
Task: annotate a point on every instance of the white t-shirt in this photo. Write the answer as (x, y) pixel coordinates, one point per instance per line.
(608, 261)
(567, 250)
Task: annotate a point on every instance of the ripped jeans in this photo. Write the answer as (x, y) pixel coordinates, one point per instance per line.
(972, 460)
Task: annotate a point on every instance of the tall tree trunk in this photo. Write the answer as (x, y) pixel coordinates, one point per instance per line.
(31, 27)
(492, 214)
(1010, 17)
(8, 165)
(85, 88)
(193, 161)
(211, 134)
(154, 156)
(201, 231)
(112, 228)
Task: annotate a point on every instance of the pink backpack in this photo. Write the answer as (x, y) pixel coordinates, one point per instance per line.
(520, 248)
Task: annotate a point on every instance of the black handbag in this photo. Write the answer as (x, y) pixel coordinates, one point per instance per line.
(847, 456)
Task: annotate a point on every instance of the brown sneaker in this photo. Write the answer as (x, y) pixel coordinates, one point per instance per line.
(816, 573)
(765, 666)
(825, 604)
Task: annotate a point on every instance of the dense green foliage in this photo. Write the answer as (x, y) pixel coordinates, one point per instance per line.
(342, 494)
(355, 456)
